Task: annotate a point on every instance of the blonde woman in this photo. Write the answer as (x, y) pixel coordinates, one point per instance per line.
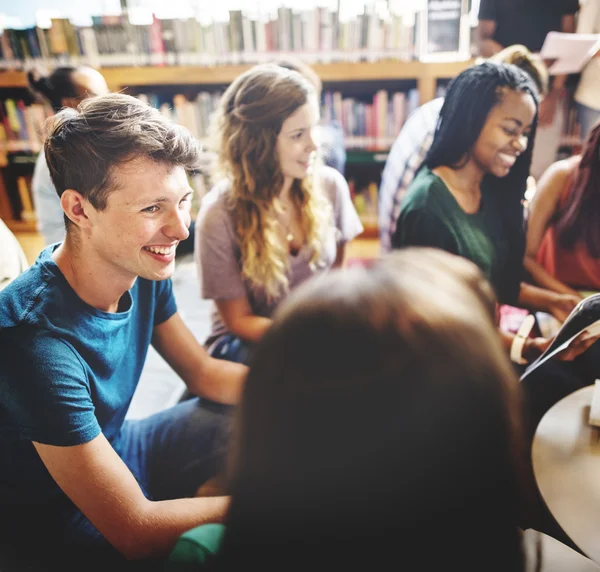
(276, 216)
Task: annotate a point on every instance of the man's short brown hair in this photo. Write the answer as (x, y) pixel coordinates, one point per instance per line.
(85, 145)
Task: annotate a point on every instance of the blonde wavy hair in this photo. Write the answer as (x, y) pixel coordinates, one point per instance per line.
(244, 135)
(531, 64)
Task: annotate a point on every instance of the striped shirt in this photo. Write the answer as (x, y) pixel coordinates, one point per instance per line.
(405, 158)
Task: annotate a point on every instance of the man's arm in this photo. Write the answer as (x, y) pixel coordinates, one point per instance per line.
(214, 379)
(485, 38)
(550, 103)
(95, 478)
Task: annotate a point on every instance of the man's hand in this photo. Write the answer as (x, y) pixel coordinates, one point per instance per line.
(562, 305)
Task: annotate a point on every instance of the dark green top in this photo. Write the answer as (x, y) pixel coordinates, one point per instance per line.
(430, 216)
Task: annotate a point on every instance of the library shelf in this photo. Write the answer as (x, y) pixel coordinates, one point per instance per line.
(425, 74)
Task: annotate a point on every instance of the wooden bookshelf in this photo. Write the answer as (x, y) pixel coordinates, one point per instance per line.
(425, 74)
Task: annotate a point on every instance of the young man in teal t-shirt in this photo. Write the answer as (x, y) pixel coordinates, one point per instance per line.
(74, 334)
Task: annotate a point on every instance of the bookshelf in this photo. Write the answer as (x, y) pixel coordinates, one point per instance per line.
(425, 75)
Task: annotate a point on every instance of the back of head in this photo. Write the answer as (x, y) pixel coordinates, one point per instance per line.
(84, 146)
(67, 84)
(379, 419)
(54, 87)
(531, 64)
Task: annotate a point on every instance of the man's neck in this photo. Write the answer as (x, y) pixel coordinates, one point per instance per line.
(92, 279)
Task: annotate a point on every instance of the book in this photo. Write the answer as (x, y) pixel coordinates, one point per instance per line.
(583, 323)
(571, 52)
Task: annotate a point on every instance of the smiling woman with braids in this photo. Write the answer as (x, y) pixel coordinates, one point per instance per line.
(467, 197)
(276, 216)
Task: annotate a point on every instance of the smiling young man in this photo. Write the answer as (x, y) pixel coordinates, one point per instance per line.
(74, 333)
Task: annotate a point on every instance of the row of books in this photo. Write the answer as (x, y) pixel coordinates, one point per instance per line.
(367, 125)
(21, 125)
(19, 198)
(315, 34)
(365, 202)
(372, 124)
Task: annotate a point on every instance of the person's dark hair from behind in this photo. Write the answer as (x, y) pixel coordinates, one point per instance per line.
(380, 425)
(579, 217)
(66, 86)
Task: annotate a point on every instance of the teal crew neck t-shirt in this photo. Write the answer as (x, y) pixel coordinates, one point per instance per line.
(68, 371)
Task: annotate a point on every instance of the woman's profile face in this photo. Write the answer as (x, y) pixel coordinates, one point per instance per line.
(505, 133)
(295, 143)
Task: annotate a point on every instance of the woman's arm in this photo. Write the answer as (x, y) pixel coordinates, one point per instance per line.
(240, 321)
(557, 304)
(543, 207)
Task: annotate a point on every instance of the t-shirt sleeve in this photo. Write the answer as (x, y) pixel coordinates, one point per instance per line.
(217, 263)
(45, 390)
(346, 218)
(165, 302)
(487, 10)
(420, 227)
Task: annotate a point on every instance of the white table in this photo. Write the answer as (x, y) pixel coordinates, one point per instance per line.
(566, 465)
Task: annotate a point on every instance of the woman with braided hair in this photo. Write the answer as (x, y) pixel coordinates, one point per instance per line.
(467, 197)
(276, 215)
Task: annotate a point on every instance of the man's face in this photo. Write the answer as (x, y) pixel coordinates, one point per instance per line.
(145, 218)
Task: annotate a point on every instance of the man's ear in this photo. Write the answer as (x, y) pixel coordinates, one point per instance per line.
(74, 206)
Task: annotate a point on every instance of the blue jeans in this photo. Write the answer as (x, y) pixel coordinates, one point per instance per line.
(170, 454)
(587, 119)
(231, 348)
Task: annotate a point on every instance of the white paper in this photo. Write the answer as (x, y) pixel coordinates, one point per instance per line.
(571, 51)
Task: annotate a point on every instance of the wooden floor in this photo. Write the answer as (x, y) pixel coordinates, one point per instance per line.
(32, 244)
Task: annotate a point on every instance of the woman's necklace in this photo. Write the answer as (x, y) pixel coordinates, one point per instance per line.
(287, 221)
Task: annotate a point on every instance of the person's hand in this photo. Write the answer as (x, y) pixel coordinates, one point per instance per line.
(548, 108)
(535, 347)
(562, 305)
(580, 344)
